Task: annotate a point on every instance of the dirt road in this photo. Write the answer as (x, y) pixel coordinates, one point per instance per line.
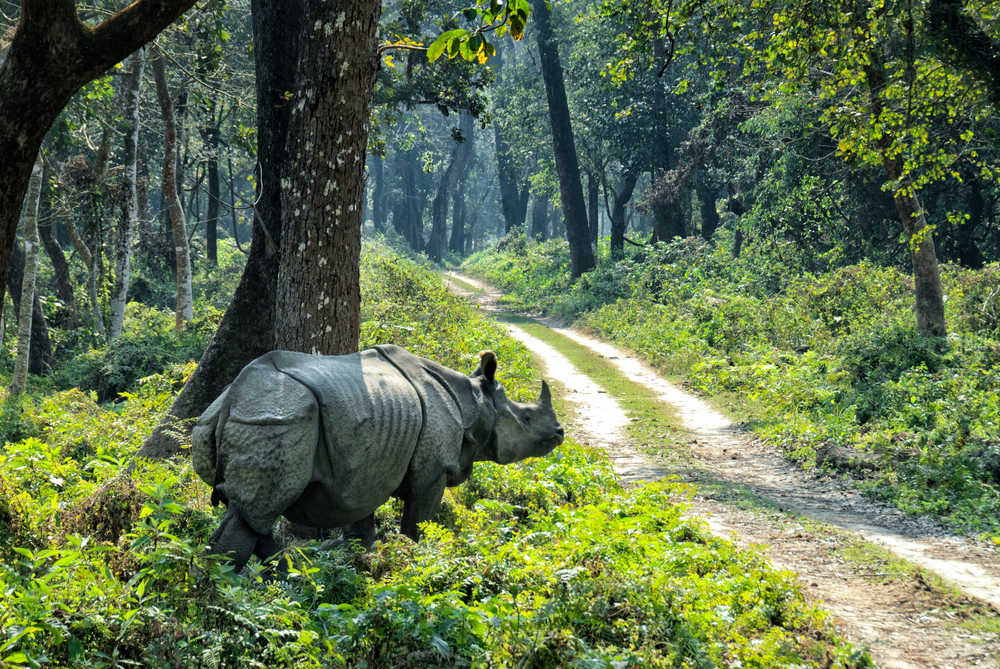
(826, 533)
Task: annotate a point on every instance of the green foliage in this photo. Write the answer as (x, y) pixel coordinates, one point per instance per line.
(149, 343)
(809, 360)
(544, 563)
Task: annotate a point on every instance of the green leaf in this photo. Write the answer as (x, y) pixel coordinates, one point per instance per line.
(443, 41)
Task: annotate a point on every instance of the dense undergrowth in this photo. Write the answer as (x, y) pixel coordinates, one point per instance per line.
(817, 363)
(543, 564)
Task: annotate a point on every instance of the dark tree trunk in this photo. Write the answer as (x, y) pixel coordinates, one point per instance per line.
(319, 298)
(709, 213)
(60, 267)
(380, 211)
(593, 211)
(969, 254)
(247, 329)
(40, 353)
(457, 242)
(571, 192)
(211, 135)
(618, 222)
(540, 218)
(51, 56)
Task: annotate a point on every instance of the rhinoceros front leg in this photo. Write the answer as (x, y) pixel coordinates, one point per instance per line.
(420, 505)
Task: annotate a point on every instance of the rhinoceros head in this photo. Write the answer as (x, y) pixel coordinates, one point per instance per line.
(519, 430)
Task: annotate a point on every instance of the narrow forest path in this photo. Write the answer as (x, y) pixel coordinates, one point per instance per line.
(854, 556)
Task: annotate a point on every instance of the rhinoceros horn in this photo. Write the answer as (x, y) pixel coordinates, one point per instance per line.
(545, 399)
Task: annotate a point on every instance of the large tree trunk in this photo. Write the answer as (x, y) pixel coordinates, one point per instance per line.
(318, 299)
(130, 199)
(618, 222)
(247, 328)
(184, 301)
(458, 231)
(51, 56)
(571, 192)
(20, 376)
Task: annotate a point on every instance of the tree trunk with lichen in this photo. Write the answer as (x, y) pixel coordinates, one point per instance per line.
(318, 303)
(184, 299)
(31, 243)
(130, 200)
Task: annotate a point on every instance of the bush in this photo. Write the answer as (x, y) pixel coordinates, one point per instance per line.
(148, 345)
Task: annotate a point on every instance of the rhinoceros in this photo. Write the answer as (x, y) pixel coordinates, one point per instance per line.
(326, 440)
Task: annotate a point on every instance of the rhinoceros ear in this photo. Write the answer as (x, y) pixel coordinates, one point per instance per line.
(487, 365)
(545, 399)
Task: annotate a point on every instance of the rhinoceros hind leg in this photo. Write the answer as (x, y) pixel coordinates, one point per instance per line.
(235, 538)
(362, 531)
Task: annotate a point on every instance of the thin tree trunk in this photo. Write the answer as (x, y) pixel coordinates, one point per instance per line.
(571, 192)
(929, 293)
(709, 212)
(380, 210)
(593, 214)
(60, 266)
(214, 187)
(318, 298)
(83, 250)
(184, 303)
(40, 356)
(130, 198)
(619, 224)
(31, 244)
(539, 217)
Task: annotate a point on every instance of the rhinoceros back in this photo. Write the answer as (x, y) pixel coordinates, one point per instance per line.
(370, 419)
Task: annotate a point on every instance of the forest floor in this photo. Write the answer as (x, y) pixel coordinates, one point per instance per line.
(902, 586)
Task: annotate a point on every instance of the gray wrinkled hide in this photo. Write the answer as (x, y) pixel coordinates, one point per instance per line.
(325, 440)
